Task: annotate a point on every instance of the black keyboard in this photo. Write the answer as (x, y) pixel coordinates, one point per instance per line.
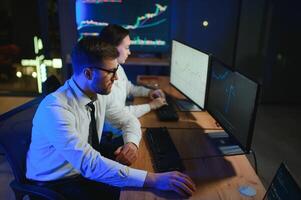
(167, 112)
(164, 152)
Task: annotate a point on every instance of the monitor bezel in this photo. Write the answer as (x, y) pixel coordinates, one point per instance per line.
(246, 149)
(209, 64)
(283, 164)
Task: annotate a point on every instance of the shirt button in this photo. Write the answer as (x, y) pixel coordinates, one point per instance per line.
(124, 172)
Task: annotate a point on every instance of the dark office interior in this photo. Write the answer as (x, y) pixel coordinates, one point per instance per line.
(257, 38)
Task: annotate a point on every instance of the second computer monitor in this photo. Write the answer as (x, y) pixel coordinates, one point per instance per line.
(188, 73)
(232, 100)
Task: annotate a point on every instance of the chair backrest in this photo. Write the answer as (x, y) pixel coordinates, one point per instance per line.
(15, 136)
(50, 85)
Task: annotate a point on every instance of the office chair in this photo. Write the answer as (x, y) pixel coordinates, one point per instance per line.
(51, 84)
(15, 137)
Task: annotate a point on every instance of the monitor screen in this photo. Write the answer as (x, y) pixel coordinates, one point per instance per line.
(189, 71)
(283, 186)
(232, 101)
(148, 21)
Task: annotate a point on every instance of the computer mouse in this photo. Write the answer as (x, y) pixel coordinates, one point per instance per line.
(247, 191)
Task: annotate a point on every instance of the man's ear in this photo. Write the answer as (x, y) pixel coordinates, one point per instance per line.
(88, 73)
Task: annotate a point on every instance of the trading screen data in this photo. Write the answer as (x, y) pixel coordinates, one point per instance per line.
(189, 71)
(148, 21)
(232, 102)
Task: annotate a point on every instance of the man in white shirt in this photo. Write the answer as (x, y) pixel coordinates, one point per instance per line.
(62, 153)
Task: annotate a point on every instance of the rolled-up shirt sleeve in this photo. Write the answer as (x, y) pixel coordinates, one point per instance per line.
(139, 110)
(136, 91)
(122, 118)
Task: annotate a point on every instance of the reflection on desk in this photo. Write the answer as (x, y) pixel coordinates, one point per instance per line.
(215, 177)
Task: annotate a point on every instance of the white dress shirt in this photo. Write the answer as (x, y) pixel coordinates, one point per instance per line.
(59, 146)
(123, 88)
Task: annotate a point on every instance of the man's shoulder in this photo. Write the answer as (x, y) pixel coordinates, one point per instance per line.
(62, 97)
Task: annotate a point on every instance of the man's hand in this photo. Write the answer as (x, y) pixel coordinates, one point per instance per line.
(153, 94)
(157, 103)
(127, 154)
(175, 181)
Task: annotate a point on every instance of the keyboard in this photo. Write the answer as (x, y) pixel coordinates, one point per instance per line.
(167, 112)
(165, 155)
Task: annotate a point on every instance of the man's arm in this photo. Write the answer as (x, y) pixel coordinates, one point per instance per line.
(120, 117)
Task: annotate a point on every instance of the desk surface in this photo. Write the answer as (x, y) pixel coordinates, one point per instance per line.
(200, 120)
(215, 177)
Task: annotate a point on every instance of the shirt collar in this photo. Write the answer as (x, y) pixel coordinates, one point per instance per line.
(82, 98)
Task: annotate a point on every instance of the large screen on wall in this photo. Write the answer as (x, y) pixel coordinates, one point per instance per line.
(147, 20)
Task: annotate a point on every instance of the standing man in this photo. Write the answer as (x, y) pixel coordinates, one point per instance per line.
(63, 153)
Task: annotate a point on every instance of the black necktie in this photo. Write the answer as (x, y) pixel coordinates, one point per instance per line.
(93, 136)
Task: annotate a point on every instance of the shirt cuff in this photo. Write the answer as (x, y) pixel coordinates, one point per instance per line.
(131, 138)
(136, 177)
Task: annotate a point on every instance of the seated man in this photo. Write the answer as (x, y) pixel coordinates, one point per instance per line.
(63, 153)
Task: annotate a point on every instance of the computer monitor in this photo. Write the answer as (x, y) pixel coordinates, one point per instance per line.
(189, 72)
(147, 20)
(283, 186)
(232, 102)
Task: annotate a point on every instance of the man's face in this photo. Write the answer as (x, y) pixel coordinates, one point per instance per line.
(124, 49)
(103, 80)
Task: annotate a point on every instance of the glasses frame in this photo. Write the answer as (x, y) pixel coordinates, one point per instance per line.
(113, 71)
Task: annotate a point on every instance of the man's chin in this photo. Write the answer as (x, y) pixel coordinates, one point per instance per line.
(105, 92)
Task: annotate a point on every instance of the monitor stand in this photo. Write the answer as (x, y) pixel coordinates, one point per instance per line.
(187, 105)
(225, 144)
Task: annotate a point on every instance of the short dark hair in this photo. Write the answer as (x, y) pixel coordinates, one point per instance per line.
(91, 51)
(113, 34)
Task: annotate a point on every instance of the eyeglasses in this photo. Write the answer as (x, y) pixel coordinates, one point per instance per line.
(113, 71)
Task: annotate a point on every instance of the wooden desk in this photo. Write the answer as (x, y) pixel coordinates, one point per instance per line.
(201, 120)
(216, 177)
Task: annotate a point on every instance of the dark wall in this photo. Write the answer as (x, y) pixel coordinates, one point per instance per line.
(219, 37)
(250, 49)
(268, 47)
(259, 38)
(68, 33)
(25, 26)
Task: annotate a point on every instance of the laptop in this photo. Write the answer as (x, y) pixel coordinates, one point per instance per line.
(283, 186)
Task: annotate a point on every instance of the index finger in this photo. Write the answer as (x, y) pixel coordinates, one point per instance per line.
(187, 181)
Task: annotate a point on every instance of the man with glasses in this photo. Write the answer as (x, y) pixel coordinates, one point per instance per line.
(64, 150)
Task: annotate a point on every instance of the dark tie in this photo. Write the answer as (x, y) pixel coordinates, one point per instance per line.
(93, 136)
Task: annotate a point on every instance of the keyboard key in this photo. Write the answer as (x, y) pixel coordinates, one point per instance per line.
(167, 112)
(164, 152)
